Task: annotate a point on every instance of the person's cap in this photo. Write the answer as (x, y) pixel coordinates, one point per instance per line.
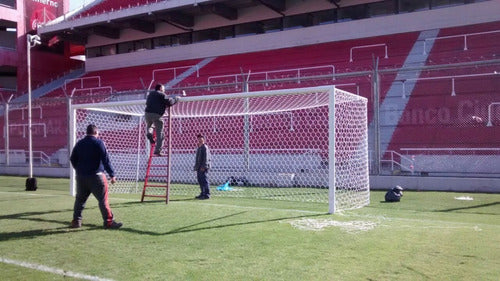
(398, 187)
(200, 136)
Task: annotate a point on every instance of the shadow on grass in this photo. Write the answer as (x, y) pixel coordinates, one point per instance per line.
(30, 234)
(28, 217)
(34, 233)
(192, 228)
(469, 207)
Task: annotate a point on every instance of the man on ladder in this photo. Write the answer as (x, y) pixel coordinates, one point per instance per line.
(156, 104)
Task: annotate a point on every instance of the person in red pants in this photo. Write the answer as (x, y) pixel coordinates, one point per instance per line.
(90, 159)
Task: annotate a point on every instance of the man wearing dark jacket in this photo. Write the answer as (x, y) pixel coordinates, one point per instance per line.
(156, 104)
(201, 167)
(90, 159)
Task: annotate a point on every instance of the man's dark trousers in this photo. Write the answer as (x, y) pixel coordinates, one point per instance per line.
(98, 186)
(203, 181)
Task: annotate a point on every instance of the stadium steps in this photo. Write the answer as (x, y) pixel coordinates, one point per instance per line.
(51, 86)
(183, 76)
(393, 104)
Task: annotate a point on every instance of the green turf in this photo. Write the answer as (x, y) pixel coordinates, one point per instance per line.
(427, 236)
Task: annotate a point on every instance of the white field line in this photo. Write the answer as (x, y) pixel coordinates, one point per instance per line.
(252, 208)
(57, 271)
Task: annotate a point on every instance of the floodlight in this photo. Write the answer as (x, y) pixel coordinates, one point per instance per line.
(34, 40)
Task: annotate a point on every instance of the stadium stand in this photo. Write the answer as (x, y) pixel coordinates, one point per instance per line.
(285, 64)
(449, 105)
(112, 5)
(439, 102)
(467, 43)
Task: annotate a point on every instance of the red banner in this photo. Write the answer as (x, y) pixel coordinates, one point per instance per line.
(39, 12)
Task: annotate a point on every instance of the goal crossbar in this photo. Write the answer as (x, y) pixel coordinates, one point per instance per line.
(136, 107)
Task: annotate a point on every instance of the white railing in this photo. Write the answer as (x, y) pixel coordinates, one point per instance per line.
(174, 70)
(368, 46)
(297, 73)
(348, 84)
(67, 81)
(25, 108)
(490, 123)
(43, 158)
(452, 160)
(452, 77)
(459, 35)
(394, 163)
(451, 149)
(20, 156)
(228, 79)
(14, 156)
(93, 90)
(24, 126)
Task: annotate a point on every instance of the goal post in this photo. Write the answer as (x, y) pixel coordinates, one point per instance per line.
(303, 144)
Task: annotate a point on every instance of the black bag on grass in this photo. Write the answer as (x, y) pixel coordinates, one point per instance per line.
(394, 195)
(31, 184)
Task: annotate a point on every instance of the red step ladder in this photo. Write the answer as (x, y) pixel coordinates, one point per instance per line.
(157, 170)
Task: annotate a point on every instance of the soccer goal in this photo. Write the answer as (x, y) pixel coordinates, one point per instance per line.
(305, 144)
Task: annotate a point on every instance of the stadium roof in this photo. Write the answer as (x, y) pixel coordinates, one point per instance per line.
(109, 19)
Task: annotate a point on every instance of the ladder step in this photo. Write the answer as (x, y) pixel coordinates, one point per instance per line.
(149, 195)
(155, 185)
(157, 179)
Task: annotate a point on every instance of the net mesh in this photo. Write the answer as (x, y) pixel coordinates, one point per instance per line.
(271, 146)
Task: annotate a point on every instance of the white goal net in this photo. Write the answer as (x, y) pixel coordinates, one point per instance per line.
(306, 144)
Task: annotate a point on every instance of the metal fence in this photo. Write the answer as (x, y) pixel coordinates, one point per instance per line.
(437, 120)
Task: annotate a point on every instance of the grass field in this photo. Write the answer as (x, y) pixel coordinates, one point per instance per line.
(427, 236)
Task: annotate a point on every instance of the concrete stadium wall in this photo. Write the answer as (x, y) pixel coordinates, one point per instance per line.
(409, 22)
(422, 183)
(487, 164)
(418, 183)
